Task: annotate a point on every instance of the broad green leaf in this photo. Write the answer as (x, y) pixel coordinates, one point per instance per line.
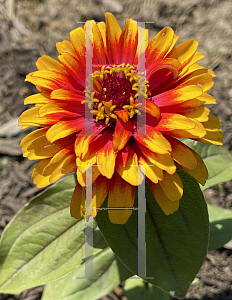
(218, 161)
(220, 226)
(175, 245)
(107, 267)
(43, 242)
(137, 289)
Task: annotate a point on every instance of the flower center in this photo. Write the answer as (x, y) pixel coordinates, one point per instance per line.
(115, 88)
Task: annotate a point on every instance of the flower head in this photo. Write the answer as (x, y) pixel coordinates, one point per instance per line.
(97, 120)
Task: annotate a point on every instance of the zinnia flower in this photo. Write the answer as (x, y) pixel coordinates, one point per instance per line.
(175, 95)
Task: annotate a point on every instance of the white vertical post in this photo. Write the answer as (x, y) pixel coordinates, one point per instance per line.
(141, 119)
(88, 74)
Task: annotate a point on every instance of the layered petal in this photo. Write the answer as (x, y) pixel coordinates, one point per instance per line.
(89, 133)
(102, 28)
(84, 163)
(143, 41)
(81, 178)
(49, 80)
(151, 171)
(128, 168)
(172, 186)
(78, 200)
(81, 174)
(192, 63)
(77, 37)
(213, 131)
(67, 95)
(160, 45)
(37, 99)
(58, 161)
(128, 42)
(113, 33)
(171, 122)
(67, 166)
(184, 52)
(31, 117)
(47, 63)
(65, 128)
(154, 141)
(177, 95)
(122, 134)
(106, 155)
(170, 64)
(200, 78)
(200, 173)
(165, 204)
(182, 154)
(58, 108)
(37, 175)
(120, 200)
(122, 114)
(207, 99)
(100, 191)
(162, 161)
(98, 44)
(200, 113)
(65, 46)
(73, 66)
(150, 108)
(41, 148)
(30, 138)
(197, 132)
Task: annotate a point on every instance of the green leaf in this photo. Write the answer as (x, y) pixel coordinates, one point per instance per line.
(218, 161)
(220, 226)
(137, 289)
(43, 242)
(175, 245)
(105, 265)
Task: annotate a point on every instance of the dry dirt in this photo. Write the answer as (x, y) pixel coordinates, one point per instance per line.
(31, 28)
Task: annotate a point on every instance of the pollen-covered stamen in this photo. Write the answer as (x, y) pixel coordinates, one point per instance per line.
(109, 111)
(132, 108)
(116, 88)
(89, 99)
(104, 111)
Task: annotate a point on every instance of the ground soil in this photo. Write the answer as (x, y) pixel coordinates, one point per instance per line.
(31, 28)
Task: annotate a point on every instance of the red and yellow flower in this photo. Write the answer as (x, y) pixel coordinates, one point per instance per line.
(175, 95)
